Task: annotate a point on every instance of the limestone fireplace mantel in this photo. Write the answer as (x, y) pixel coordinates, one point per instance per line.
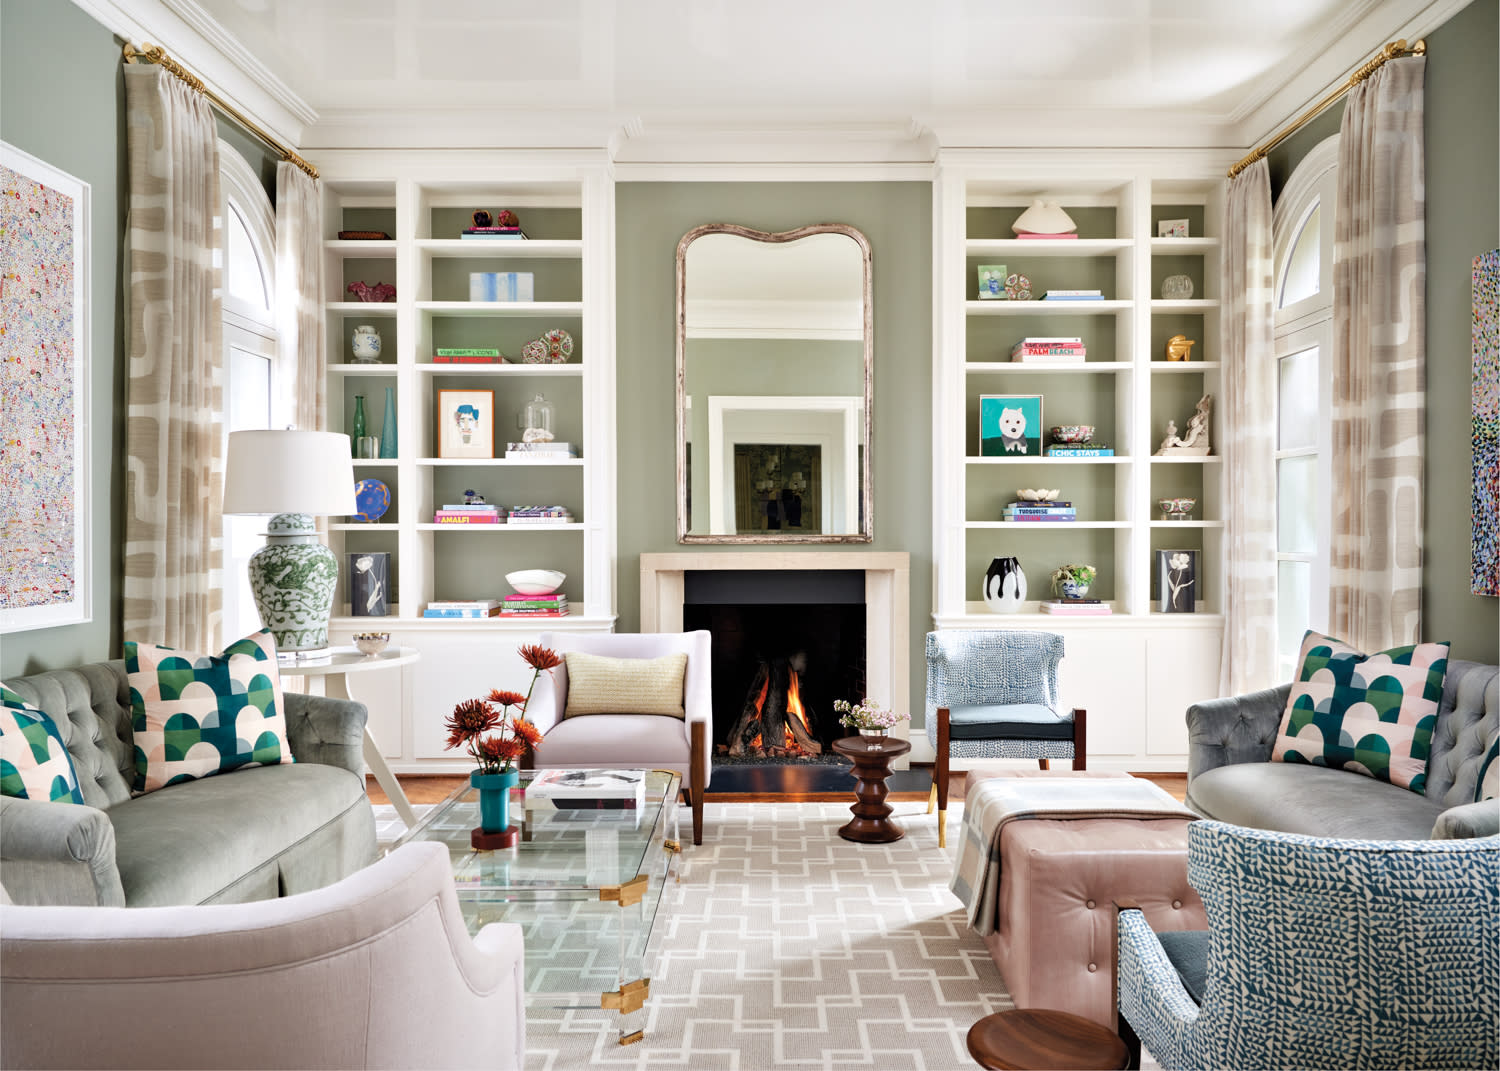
(887, 603)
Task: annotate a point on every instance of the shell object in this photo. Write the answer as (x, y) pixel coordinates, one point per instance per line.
(1037, 494)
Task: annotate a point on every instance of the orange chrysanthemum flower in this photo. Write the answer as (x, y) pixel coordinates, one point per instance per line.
(507, 699)
(470, 718)
(538, 657)
(526, 731)
(505, 749)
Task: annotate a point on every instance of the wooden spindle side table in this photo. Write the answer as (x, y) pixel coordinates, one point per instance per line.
(872, 765)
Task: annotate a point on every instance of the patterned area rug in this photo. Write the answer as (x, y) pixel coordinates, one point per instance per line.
(785, 945)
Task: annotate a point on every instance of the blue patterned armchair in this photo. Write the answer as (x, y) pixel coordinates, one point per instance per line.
(993, 695)
(1322, 953)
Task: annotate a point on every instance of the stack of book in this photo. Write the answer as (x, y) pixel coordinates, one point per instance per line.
(1048, 349)
(461, 513)
(1076, 607)
(1035, 234)
(554, 605)
(553, 451)
(481, 355)
(1080, 450)
(463, 608)
(1073, 295)
(503, 233)
(1040, 511)
(540, 515)
(586, 789)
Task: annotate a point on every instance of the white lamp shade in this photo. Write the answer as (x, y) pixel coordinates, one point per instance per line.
(289, 472)
(1043, 218)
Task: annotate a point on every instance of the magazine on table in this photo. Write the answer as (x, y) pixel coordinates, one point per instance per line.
(583, 789)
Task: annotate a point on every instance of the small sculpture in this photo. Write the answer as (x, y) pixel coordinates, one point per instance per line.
(1195, 442)
(473, 498)
(378, 293)
(1180, 348)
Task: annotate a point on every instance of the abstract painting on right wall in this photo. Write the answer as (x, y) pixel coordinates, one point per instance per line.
(1485, 576)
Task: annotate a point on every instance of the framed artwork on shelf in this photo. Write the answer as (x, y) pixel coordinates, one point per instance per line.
(1176, 581)
(1172, 228)
(466, 423)
(44, 458)
(1010, 425)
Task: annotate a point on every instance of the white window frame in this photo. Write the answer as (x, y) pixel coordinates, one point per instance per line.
(248, 330)
(1300, 326)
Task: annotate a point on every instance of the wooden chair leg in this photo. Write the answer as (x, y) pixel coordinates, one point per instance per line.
(697, 776)
(1080, 739)
(1045, 764)
(932, 795)
(940, 776)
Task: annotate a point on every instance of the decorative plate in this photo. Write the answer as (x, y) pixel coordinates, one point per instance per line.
(555, 347)
(371, 498)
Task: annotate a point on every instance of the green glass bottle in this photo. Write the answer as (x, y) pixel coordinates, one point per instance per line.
(357, 430)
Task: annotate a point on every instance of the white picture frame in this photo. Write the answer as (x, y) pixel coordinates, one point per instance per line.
(1172, 228)
(45, 476)
(466, 424)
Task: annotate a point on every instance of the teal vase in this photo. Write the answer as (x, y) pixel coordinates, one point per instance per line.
(388, 428)
(494, 830)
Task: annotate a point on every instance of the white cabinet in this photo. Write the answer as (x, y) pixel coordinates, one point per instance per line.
(423, 201)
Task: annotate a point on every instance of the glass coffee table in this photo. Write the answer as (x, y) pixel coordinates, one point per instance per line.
(584, 885)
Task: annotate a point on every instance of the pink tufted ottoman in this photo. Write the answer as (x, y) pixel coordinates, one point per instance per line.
(1055, 938)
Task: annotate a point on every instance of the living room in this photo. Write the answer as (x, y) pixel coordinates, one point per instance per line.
(609, 167)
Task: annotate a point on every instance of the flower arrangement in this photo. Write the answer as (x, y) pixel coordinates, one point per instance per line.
(510, 734)
(866, 715)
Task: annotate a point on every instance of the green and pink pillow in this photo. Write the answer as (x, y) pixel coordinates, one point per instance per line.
(197, 715)
(1368, 714)
(34, 761)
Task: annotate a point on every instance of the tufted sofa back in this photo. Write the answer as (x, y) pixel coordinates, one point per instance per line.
(91, 706)
(1468, 719)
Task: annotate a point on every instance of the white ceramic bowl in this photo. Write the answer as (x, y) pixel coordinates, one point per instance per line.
(535, 581)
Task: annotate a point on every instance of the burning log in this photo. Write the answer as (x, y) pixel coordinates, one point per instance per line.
(772, 720)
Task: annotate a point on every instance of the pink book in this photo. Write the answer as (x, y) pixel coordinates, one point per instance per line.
(454, 516)
(1032, 234)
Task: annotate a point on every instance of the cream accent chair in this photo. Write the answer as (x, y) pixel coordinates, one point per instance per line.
(626, 740)
(377, 970)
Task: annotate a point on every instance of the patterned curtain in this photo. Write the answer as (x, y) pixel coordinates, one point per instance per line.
(174, 465)
(1379, 362)
(1247, 435)
(302, 357)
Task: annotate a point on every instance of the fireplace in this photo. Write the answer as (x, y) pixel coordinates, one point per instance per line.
(786, 644)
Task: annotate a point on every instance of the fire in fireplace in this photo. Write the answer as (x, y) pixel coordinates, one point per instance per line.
(772, 721)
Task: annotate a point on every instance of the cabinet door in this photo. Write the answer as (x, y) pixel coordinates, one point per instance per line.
(1182, 668)
(1104, 672)
(455, 668)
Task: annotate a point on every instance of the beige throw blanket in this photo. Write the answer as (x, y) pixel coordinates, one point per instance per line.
(993, 803)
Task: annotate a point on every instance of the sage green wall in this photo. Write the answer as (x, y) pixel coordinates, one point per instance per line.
(62, 99)
(897, 219)
(1462, 130)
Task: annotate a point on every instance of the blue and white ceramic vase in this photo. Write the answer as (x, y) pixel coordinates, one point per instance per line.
(388, 428)
(494, 830)
(1005, 586)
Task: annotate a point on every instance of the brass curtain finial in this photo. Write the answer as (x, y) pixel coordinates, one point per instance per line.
(1393, 50)
(155, 54)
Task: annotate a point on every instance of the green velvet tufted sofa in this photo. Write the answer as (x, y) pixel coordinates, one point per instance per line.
(252, 834)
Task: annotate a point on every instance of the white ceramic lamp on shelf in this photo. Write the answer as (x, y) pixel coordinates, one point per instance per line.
(293, 475)
(1044, 218)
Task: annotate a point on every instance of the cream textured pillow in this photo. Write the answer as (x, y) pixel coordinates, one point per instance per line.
(598, 684)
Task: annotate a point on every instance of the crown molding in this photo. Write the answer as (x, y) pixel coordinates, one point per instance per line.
(191, 37)
(1326, 70)
(443, 127)
(1080, 128)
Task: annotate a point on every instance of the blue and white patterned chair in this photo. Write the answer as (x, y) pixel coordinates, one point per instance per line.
(993, 695)
(1323, 953)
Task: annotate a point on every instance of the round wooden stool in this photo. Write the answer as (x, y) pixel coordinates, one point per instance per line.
(1039, 1039)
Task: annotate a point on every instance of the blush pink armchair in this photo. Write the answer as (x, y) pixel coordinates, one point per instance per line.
(625, 739)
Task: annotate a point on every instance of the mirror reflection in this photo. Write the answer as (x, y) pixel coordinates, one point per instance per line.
(774, 385)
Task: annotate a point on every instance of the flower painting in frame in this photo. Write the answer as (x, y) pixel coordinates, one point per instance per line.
(1176, 582)
(466, 423)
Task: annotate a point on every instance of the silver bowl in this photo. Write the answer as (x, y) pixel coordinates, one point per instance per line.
(371, 644)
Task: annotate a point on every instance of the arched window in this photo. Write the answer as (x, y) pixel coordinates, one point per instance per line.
(1303, 230)
(249, 286)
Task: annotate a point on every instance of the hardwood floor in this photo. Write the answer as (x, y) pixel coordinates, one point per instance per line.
(434, 788)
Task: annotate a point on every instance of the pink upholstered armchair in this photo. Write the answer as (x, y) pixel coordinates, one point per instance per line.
(624, 738)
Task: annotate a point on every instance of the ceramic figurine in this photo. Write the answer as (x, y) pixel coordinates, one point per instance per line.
(1195, 442)
(1180, 348)
(366, 344)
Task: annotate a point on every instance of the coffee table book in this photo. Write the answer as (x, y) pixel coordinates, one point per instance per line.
(586, 789)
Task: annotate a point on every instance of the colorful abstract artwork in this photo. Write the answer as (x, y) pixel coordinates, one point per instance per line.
(43, 393)
(1485, 576)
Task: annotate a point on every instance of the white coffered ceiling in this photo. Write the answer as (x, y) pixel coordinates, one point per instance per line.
(573, 72)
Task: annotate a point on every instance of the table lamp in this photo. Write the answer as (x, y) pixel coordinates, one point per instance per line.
(293, 475)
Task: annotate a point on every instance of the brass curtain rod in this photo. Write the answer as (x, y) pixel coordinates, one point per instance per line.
(155, 54)
(1393, 50)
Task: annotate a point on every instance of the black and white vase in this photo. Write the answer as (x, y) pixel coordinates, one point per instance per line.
(370, 584)
(1005, 586)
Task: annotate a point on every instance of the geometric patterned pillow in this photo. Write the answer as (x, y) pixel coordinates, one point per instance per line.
(1487, 787)
(34, 763)
(196, 715)
(1369, 714)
